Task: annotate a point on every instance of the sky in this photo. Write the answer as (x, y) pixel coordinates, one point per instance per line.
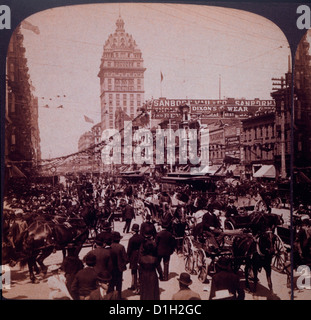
(193, 46)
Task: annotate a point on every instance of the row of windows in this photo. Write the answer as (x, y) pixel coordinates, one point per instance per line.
(123, 81)
(123, 64)
(124, 74)
(259, 132)
(122, 55)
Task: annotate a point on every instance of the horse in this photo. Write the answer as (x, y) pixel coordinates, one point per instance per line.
(255, 250)
(41, 238)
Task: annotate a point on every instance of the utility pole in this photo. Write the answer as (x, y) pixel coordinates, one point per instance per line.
(283, 84)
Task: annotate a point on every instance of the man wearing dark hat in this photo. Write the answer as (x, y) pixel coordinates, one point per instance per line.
(185, 293)
(101, 293)
(103, 254)
(85, 281)
(119, 261)
(134, 244)
(165, 244)
(231, 209)
(225, 283)
(147, 228)
(128, 214)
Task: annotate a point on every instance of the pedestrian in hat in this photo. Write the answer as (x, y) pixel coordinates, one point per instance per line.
(101, 293)
(185, 293)
(134, 244)
(71, 265)
(85, 281)
(165, 244)
(103, 253)
(149, 282)
(128, 215)
(119, 262)
(147, 228)
(226, 282)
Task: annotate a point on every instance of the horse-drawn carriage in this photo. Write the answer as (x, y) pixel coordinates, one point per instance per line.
(255, 245)
(201, 255)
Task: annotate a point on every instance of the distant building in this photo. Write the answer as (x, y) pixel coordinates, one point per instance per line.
(86, 141)
(302, 116)
(121, 77)
(22, 138)
(258, 141)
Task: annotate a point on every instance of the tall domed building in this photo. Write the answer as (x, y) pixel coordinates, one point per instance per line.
(121, 78)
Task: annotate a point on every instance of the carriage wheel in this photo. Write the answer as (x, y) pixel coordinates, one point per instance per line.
(146, 212)
(202, 266)
(186, 246)
(276, 203)
(229, 225)
(188, 252)
(189, 263)
(280, 256)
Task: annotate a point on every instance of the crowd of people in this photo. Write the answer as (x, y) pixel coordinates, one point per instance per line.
(148, 253)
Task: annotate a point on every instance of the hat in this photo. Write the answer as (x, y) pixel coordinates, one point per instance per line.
(223, 263)
(185, 279)
(90, 259)
(148, 235)
(116, 236)
(135, 227)
(104, 276)
(106, 226)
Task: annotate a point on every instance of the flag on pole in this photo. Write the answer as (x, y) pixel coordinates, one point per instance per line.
(27, 25)
(87, 119)
(161, 76)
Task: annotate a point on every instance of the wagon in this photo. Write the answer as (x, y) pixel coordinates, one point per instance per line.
(200, 256)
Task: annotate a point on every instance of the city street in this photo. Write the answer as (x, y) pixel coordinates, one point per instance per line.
(22, 288)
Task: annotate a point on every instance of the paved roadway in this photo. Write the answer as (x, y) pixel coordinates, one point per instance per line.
(22, 288)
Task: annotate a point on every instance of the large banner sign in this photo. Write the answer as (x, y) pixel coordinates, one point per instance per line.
(207, 109)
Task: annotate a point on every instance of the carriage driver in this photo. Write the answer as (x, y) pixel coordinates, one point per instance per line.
(210, 228)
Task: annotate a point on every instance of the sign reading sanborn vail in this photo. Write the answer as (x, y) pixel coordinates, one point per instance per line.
(207, 109)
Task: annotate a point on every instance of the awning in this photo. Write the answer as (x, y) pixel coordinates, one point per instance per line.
(232, 169)
(15, 172)
(144, 170)
(266, 171)
(209, 170)
(302, 178)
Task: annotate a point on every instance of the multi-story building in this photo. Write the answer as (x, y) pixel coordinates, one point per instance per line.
(121, 77)
(302, 108)
(22, 138)
(216, 143)
(258, 142)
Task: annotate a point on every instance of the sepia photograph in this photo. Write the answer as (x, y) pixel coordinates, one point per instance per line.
(156, 151)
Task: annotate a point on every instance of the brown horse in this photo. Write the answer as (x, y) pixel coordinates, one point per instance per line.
(42, 238)
(255, 253)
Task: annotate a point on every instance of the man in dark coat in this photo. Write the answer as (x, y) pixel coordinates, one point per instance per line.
(119, 261)
(134, 244)
(226, 282)
(71, 265)
(231, 209)
(85, 281)
(147, 227)
(128, 214)
(165, 244)
(103, 254)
